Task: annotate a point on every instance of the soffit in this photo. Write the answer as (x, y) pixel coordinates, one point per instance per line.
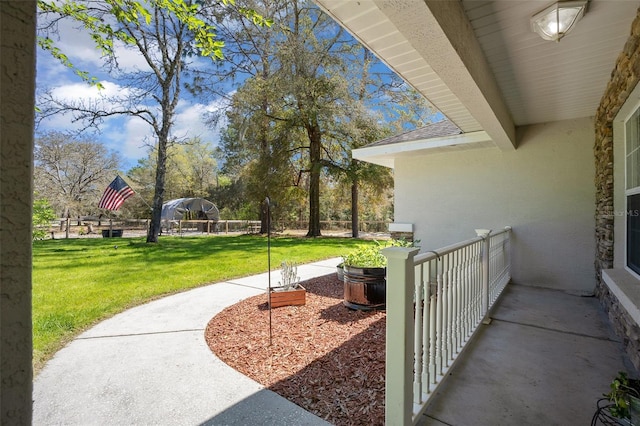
(367, 21)
(538, 81)
(544, 81)
(385, 154)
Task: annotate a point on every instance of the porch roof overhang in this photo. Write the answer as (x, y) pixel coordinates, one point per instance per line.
(438, 137)
(432, 46)
(479, 63)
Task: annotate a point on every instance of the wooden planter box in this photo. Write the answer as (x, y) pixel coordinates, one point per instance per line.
(289, 297)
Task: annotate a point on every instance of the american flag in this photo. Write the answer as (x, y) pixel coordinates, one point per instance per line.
(115, 194)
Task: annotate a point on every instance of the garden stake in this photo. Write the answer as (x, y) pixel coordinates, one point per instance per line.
(269, 260)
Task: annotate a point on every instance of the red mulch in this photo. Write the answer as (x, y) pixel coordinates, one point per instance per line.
(324, 357)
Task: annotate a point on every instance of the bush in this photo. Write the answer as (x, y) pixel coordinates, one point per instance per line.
(370, 256)
(43, 214)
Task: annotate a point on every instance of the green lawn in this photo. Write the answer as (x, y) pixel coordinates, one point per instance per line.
(79, 282)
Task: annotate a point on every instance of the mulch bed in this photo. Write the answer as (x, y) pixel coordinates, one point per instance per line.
(324, 357)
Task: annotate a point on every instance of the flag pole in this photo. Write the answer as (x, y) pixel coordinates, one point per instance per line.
(138, 194)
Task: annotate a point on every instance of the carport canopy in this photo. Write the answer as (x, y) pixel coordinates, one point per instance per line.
(178, 208)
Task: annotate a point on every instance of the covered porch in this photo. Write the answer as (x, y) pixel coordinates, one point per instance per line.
(545, 359)
(468, 345)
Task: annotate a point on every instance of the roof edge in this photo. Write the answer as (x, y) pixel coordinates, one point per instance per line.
(385, 155)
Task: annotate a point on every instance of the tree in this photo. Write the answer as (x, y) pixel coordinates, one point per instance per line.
(43, 214)
(311, 56)
(72, 173)
(311, 96)
(251, 58)
(191, 171)
(258, 152)
(167, 34)
(273, 115)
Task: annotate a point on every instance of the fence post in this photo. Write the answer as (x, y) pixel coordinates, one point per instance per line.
(399, 335)
(68, 225)
(486, 244)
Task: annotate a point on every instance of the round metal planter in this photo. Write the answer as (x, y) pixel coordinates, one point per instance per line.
(365, 288)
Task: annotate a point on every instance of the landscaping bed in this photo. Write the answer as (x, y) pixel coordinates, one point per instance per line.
(323, 356)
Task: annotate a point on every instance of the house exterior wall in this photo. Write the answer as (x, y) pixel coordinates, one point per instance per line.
(17, 62)
(624, 78)
(609, 184)
(544, 190)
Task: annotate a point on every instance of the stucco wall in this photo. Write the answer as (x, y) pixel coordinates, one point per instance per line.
(17, 64)
(544, 189)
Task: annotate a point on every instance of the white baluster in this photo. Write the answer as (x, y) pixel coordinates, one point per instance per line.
(417, 350)
(426, 325)
(439, 328)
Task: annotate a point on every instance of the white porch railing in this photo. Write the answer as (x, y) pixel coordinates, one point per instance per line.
(435, 303)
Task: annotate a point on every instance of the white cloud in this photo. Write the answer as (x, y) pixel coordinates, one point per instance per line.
(84, 92)
(190, 121)
(134, 141)
(76, 43)
(129, 58)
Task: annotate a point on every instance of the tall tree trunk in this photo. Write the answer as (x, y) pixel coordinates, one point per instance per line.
(158, 195)
(314, 181)
(170, 96)
(264, 218)
(354, 209)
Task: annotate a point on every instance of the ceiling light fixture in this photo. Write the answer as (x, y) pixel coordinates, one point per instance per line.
(557, 20)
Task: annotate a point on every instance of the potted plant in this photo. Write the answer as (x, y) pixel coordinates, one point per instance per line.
(625, 398)
(289, 291)
(365, 270)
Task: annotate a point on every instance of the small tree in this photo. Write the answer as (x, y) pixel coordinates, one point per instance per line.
(71, 173)
(43, 214)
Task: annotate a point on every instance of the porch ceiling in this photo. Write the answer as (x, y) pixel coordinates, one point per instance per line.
(479, 63)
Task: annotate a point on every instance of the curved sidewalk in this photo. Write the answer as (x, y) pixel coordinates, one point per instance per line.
(150, 365)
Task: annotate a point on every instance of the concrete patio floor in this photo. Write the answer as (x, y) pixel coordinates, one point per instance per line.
(545, 359)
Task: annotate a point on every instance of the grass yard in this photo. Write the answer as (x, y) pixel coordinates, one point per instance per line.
(79, 282)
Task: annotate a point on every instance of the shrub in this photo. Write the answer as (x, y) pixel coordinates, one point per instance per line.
(43, 214)
(370, 256)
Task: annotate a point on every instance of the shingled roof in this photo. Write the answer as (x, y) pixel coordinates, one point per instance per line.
(439, 129)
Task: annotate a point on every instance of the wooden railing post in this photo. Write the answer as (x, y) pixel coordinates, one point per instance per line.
(399, 335)
(486, 245)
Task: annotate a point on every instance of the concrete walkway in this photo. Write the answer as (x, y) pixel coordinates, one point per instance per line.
(151, 365)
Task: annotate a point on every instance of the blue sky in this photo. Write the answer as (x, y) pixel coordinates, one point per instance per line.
(129, 136)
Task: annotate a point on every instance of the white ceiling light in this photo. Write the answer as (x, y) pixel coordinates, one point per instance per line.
(557, 20)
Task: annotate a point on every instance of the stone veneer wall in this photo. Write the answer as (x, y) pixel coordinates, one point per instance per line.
(407, 236)
(624, 78)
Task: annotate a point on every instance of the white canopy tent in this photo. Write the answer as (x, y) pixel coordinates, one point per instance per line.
(192, 208)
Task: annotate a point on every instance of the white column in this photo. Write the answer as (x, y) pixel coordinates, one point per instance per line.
(399, 340)
(484, 233)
